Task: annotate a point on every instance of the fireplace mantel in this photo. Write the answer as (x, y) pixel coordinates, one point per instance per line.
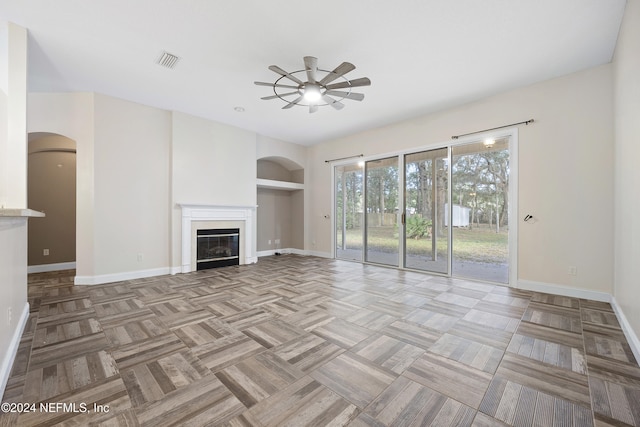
(193, 213)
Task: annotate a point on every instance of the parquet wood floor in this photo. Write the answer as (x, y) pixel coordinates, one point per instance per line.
(297, 341)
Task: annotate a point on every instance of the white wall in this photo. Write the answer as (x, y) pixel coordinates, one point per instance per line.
(565, 172)
(13, 193)
(13, 142)
(4, 111)
(13, 292)
(627, 172)
(131, 187)
(211, 164)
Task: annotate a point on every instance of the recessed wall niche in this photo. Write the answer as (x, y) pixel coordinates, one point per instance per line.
(280, 197)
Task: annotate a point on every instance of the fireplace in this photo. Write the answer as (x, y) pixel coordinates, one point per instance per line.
(218, 247)
(209, 217)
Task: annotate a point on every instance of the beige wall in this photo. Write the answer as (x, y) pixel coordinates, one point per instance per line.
(52, 189)
(267, 169)
(627, 172)
(273, 219)
(565, 172)
(297, 219)
(131, 186)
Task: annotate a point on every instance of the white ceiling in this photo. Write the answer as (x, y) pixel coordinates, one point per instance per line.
(421, 55)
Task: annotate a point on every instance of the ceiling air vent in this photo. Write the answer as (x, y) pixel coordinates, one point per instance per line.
(168, 60)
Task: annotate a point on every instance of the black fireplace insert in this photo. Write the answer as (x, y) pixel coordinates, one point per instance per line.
(217, 247)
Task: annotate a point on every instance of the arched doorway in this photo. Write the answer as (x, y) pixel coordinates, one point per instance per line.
(51, 188)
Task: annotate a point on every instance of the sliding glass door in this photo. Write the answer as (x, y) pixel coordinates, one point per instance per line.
(426, 192)
(480, 210)
(444, 210)
(381, 218)
(349, 211)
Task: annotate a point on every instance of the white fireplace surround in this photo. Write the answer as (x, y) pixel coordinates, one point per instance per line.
(200, 213)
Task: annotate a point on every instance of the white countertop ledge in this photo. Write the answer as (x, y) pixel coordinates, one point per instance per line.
(15, 213)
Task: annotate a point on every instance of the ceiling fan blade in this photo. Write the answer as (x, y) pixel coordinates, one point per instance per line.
(349, 95)
(292, 103)
(335, 104)
(283, 73)
(364, 81)
(276, 85)
(280, 95)
(311, 66)
(313, 108)
(339, 71)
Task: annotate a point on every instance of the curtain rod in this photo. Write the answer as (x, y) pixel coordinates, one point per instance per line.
(344, 158)
(499, 127)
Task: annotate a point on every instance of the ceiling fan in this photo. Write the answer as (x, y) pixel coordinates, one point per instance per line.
(318, 89)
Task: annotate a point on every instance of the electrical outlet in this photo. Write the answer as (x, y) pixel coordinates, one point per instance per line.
(140, 257)
(45, 252)
(573, 270)
(277, 241)
(269, 242)
(9, 315)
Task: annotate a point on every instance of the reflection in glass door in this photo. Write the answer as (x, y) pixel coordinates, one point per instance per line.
(480, 206)
(349, 211)
(426, 237)
(381, 211)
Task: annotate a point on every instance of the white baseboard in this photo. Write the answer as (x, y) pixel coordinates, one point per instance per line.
(319, 254)
(272, 252)
(12, 349)
(43, 268)
(632, 338)
(119, 277)
(298, 251)
(283, 251)
(294, 251)
(550, 288)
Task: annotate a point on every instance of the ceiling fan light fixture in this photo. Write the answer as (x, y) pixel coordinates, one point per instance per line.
(311, 93)
(319, 89)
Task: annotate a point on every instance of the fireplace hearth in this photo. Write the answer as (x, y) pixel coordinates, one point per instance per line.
(217, 247)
